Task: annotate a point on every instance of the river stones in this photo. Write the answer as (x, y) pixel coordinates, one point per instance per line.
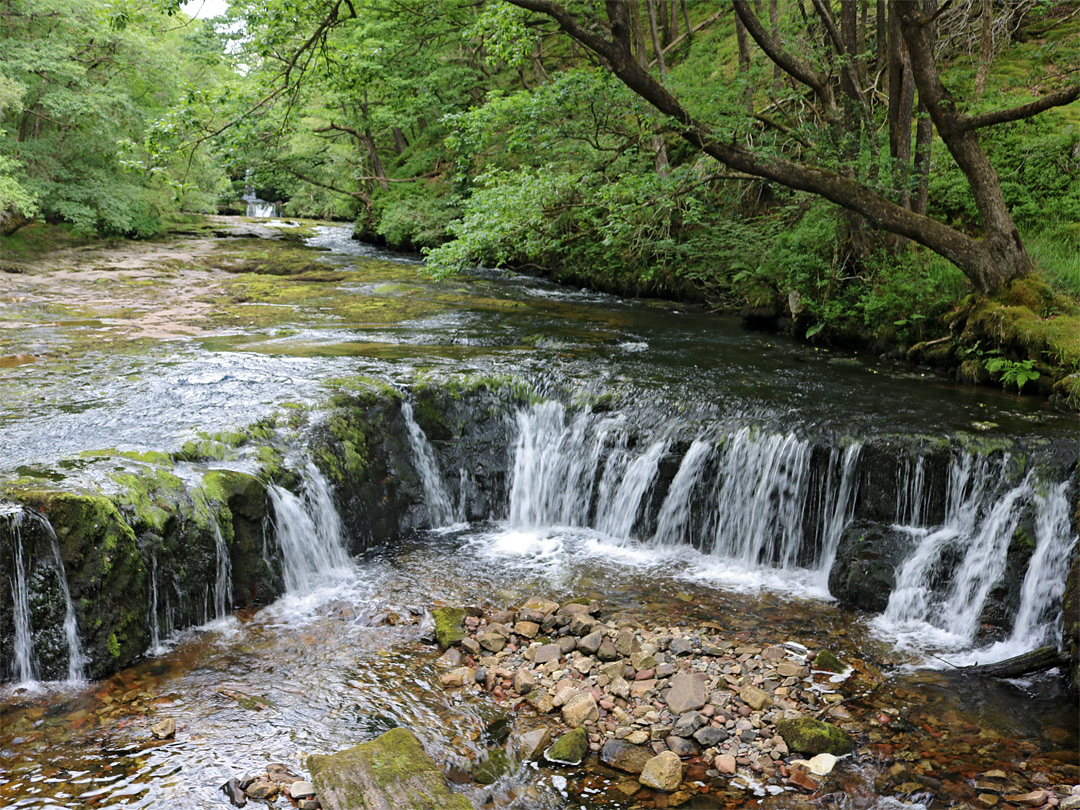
(546, 653)
(624, 756)
(662, 772)
(686, 694)
(234, 792)
(302, 790)
(164, 730)
(756, 699)
(448, 625)
(570, 748)
(827, 661)
(263, 788)
(809, 736)
(581, 709)
(531, 744)
(389, 771)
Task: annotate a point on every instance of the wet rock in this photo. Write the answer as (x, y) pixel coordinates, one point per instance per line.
(542, 606)
(570, 748)
(531, 744)
(826, 660)
(457, 677)
(308, 804)
(1070, 802)
(1033, 799)
(686, 694)
(390, 771)
(986, 800)
(681, 747)
(280, 773)
(725, 764)
(262, 789)
(662, 772)
(235, 793)
(802, 780)
(451, 658)
(809, 736)
(863, 573)
(821, 765)
(624, 756)
(301, 790)
(493, 767)
(164, 730)
(449, 628)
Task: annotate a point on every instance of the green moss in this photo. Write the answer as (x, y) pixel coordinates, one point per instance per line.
(493, 767)
(827, 660)
(809, 736)
(448, 625)
(570, 748)
(112, 645)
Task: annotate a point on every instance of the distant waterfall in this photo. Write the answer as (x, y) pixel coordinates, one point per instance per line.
(308, 531)
(439, 506)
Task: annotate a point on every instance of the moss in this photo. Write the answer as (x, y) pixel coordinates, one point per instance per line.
(142, 493)
(112, 645)
(493, 767)
(448, 625)
(393, 767)
(809, 736)
(570, 748)
(827, 660)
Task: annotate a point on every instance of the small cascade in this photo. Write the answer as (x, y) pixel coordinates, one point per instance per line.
(618, 514)
(439, 506)
(223, 590)
(910, 491)
(152, 610)
(24, 649)
(309, 532)
(1038, 620)
(462, 513)
(71, 627)
(743, 497)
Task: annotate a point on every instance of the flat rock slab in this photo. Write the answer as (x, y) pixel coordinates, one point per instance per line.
(391, 772)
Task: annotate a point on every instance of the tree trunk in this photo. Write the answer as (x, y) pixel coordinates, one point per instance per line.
(774, 28)
(743, 40)
(1038, 660)
(901, 108)
(400, 143)
(986, 47)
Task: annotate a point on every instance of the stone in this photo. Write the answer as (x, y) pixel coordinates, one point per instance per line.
(607, 651)
(308, 804)
(802, 780)
(773, 653)
(567, 644)
(541, 701)
(662, 772)
(390, 771)
(681, 747)
(613, 670)
(590, 644)
(638, 737)
(235, 793)
(493, 767)
(583, 665)
(626, 643)
(827, 661)
(790, 669)
(524, 682)
(448, 625)
(546, 653)
(582, 625)
(822, 764)
(491, 641)
(1033, 799)
(687, 724)
(531, 744)
(451, 658)
(472, 645)
(628, 787)
(569, 749)
(164, 730)
(581, 710)
(619, 688)
(681, 646)
(986, 800)
(686, 694)
(527, 629)
(263, 789)
(710, 736)
(544, 606)
(457, 677)
(642, 660)
(625, 756)
(756, 699)
(725, 764)
(642, 688)
(809, 736)
(301, 790)
(1070, 802)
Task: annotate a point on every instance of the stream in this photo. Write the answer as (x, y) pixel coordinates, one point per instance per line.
(667, 463)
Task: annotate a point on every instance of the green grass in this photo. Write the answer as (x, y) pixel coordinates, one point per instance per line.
(1056, 253)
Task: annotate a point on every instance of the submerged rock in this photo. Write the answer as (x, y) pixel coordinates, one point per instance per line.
(390, 771)
(164, 730)
(662, 772)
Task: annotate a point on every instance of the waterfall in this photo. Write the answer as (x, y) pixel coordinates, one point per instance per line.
(71, 627)
(741, 497)
(1038, 619)
(439, 507)
(910, 491)
(308, 531)
(23, 642)
(223, 592)
(24, 651)
(152, 611)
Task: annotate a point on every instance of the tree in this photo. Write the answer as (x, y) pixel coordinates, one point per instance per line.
(988, 262)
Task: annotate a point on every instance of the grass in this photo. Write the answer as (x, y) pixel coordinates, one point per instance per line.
(1056, 253)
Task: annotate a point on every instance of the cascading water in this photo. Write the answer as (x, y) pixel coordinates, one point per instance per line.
(309, 532)
(675, 523)
(439, 507)
(618, 514)
(24, 651)
(223, 591)
(71, 627)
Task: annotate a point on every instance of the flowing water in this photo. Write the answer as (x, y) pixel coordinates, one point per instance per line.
(720, 493)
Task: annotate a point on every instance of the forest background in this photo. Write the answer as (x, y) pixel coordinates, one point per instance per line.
(811, 164)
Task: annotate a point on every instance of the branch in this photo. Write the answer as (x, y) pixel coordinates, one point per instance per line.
(690, 33)
(1058, 99)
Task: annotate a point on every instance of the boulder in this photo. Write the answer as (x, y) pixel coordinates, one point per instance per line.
(662, 772)
(624, 756)
(390, 771)
(531, 744)
(809, 736)
(448, 625)
(686, 694)
(863, 573)
(756, 699)
(580, 710)
(570, 748)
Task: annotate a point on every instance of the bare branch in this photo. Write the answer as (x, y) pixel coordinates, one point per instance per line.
(1058, 99)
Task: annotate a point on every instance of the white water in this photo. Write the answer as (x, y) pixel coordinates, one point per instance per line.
(24, 667)
(309, 533)
(674, 523)
(223, 589)
(618, 514)
(436, 500)
(71, 626)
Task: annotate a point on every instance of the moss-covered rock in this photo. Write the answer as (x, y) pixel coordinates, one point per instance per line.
(1070, 609)
(243, 498)
(493, 767)
(809, 736)
(863, 573)
(827, 660)
(448, 625)
(390, 771)
(570, 748)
